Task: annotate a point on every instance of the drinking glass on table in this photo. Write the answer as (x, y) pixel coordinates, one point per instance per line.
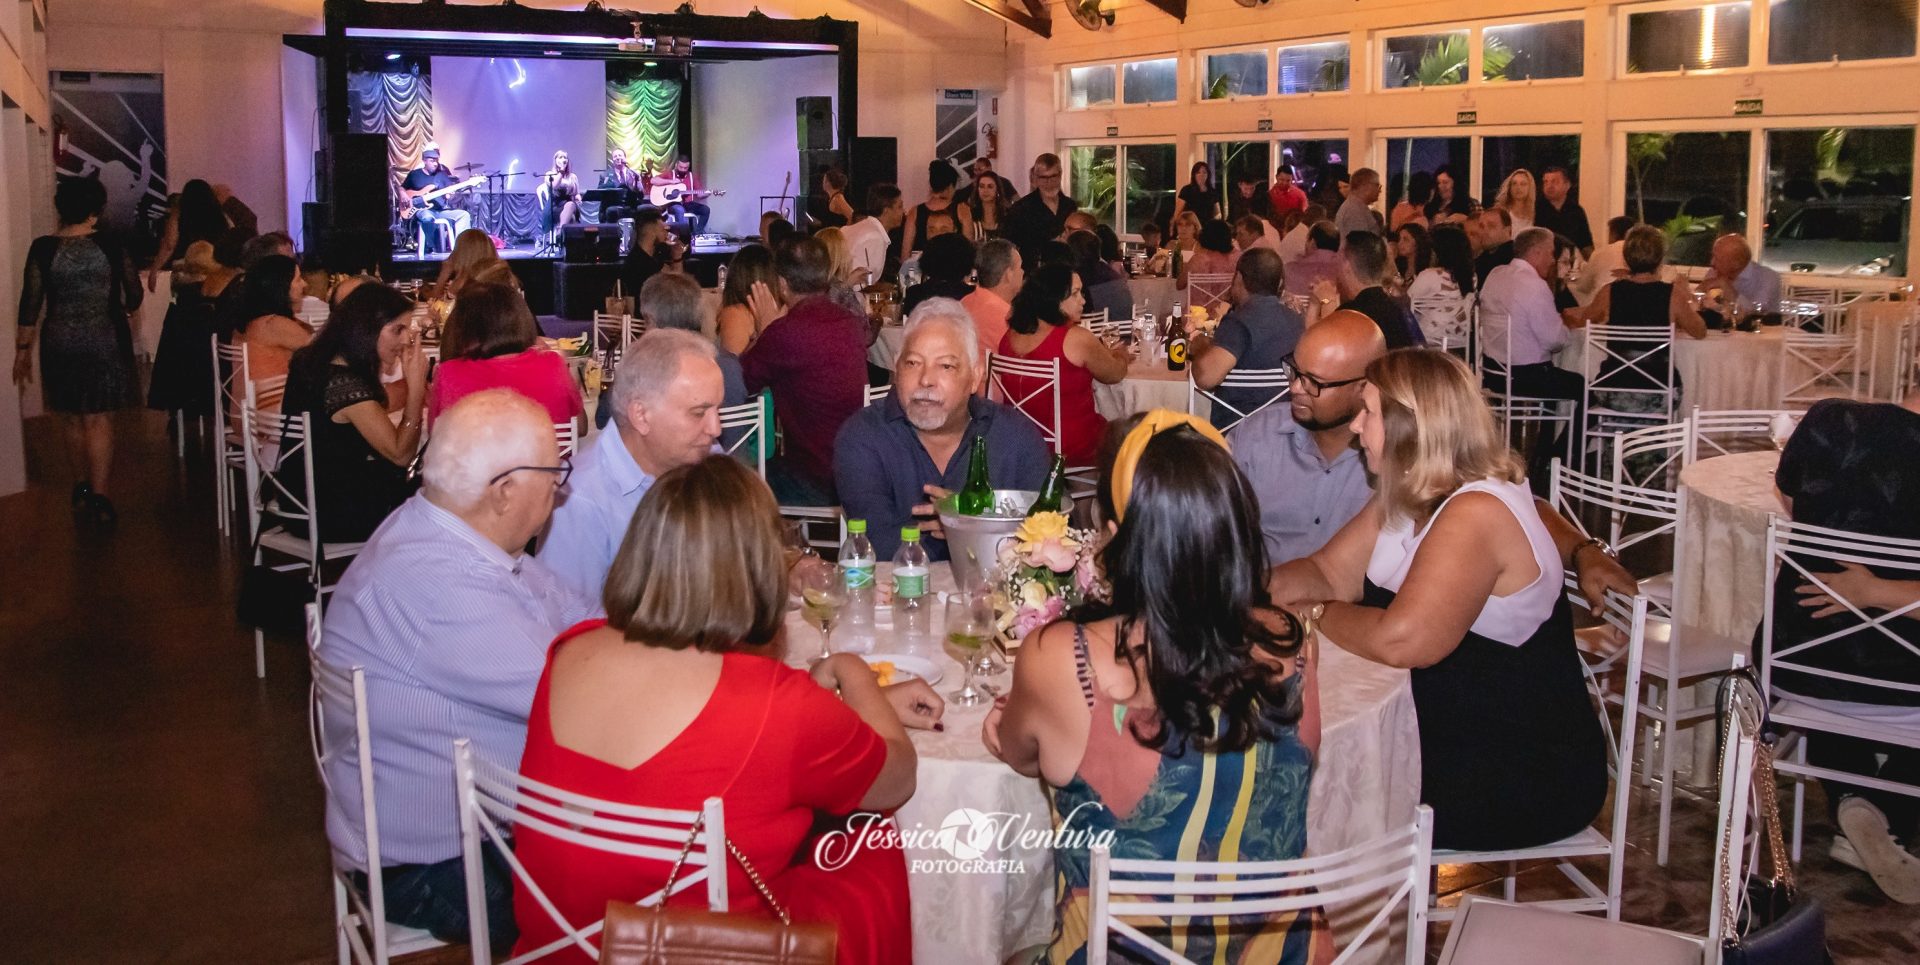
(969, 626)
(822, 597)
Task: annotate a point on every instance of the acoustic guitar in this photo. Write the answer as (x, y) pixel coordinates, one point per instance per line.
(666, 191)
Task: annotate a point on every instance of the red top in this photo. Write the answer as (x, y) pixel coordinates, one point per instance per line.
(536, 373)
(1081, 425)
(1291, 199)
(776, 748)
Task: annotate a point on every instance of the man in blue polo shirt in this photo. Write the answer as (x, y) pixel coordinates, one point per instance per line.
(893, 459)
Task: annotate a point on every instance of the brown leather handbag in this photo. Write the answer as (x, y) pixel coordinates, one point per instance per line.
(685, 936)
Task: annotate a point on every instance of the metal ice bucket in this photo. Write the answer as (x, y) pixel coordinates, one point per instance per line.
(973, 542)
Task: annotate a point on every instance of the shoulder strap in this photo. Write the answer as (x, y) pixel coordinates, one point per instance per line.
(1081, 667)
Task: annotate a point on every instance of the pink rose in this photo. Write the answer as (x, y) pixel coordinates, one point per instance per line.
(1052, 555)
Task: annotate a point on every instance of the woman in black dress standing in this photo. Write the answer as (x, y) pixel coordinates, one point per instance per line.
(1199, 196)
(78, 290)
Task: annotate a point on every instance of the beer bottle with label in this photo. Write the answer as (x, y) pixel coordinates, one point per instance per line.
(1053, 491)
(976, 497)
(1177, 350)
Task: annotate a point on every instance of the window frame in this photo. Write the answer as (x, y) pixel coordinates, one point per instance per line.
(1063, 86)
(1377, 146)
(1120, 146)
(1623, 22)
(1120, 79)
(1200, 84)
(1476, 50)
(1758, 59)
(1273, 62)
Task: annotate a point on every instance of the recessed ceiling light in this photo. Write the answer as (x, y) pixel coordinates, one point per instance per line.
(651, 63)
(395, 55)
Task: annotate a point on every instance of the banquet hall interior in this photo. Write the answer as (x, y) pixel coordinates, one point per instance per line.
(958, 482)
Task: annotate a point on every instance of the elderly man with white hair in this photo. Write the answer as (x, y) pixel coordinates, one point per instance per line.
(451, 621)
(666, 400)
(893, 459)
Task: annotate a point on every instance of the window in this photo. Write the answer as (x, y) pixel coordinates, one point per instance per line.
(1424, 60)
(1416, 162)
(1817, 31)
(1092, 180)
(1318, 168)
(1533, 51)
(1313, 68)
(1238, 74)
(1234, 160)
(1697, 38)
(1501, 156)
(1692, 185)
(1152, 180)
(1837, 200)
(1089, 86)
(1150, 81)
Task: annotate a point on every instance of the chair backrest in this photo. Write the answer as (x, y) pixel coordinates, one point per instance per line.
(1444, 318)
(1028, 385)
(1652, 457)
(1492, 329)
(1802, 554)
(822, 527)
(1208, 289)
(875, 393)
(754, 416)
(1815, 366)
(1655, 513)
(293, 436)
(496, 804)
(1274, 383)
(567, 436)
(266, 394)
(1394, 866)
(1719, 432)
(615, 331)
(1627, 617)
(1627, 356)
(232, 372)
(1105, 327)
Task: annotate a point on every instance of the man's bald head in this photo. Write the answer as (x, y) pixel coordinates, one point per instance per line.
(1079, 221)
(1731, 256)
(1336, 349)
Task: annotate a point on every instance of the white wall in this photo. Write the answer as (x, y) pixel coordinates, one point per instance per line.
(25, 207)
(300, 130)
(745, 135)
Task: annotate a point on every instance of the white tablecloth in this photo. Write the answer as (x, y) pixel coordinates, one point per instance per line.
(1720, 563)
(1366, 781)
(886, 347)
(1148, 385)
(1725, 370)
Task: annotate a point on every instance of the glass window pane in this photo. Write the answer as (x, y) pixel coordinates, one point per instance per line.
(1090, 179)
(1241, 74)
(1150, 81)
(1427, 60)
(1089, 86)
(1319, 168)
(1662, 41)
(1693, 186)
(1815, 31)
(1408, 156)
(1533, 51)
(1837, 200)
(1151, 182)
(1311, 68)
(1501, 156)
(1234, 160)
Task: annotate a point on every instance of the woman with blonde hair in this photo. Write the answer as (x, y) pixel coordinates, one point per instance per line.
(1450, 572)
(840, 257)
(1518, 195)
(472, 251)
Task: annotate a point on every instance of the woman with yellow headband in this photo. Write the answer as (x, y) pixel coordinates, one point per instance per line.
(1450, 571)
(1176, 717)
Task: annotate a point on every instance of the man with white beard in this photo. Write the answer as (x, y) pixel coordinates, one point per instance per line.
(896, 457)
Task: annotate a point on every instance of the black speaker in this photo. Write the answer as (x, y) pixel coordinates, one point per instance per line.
(586, 243)
(873, 160)
(355, 173)
(581, 289)
(316, 220)
(815, 118)
(351, 252)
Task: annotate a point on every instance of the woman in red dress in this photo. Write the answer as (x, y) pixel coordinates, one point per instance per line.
(1044, 326)
(676, 697)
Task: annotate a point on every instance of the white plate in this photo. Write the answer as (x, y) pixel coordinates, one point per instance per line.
(906, 665)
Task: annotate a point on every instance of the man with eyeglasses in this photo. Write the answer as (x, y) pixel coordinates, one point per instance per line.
(1304, 461)
(451, 621)
(666, 400)
(1041, 213)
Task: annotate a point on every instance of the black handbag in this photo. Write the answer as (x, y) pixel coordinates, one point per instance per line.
(1769, 921)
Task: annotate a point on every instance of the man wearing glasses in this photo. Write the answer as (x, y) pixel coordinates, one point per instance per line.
(451, 621)
(1039, 215)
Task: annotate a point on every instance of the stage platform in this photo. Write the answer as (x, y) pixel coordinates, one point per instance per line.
(561, 289)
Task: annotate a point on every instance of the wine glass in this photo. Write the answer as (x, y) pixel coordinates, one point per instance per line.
(822, 597)
(969, 625)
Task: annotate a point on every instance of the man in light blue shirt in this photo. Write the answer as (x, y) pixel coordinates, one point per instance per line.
(451, 623)
(1757, 285)
(666, 400)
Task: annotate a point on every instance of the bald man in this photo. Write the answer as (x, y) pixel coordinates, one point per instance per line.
(1305, 465)
(1077, 221)
(1732, 266)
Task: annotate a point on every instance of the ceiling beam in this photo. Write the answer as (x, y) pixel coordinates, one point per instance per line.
(1030, 14)
(1177, 9)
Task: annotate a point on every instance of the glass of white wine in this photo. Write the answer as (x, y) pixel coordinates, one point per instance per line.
(969, 626)
(822, 596)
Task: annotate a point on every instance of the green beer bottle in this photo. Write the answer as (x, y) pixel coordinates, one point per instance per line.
(976, 498)
(1053, 491)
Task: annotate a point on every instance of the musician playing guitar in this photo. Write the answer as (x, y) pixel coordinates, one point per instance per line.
(432, 177)
(678, 191)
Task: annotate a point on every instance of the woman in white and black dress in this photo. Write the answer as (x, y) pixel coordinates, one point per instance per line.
(1450, 572)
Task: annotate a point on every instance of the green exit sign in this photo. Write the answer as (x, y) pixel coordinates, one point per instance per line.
(1748, 107)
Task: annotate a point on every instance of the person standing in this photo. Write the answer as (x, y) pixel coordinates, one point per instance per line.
(1559, 213)
(431, 175)
(77, 292)
(1041, 214)
(1356, 213)
(1199, 195)
(869, 238)
(982, 170)
(941, 179)
(1284, 197)
(1516, 198)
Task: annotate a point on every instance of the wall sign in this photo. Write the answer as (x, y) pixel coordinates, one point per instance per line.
(1466, 117)
(1266, 125)
(1113, 130)
(1748, 107)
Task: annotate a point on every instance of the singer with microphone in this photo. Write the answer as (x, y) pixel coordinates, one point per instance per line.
(559, 193)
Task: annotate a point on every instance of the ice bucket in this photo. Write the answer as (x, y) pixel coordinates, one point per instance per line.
(982, 534)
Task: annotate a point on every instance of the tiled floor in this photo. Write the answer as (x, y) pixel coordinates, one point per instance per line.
(159, 804)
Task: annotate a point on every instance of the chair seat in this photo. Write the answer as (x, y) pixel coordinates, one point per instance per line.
(1700, 652)
(1787, 713)
(1659, 589)
(402, 940)
(1490, 932)
(280, 540)
(1586, 841)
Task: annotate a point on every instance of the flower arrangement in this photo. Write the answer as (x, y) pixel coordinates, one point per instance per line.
(1201, 320)
(1044, 569)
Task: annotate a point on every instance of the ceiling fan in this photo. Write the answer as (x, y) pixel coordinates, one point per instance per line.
(1087, 13)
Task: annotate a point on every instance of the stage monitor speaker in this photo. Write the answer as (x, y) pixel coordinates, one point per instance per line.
(872, 161)
(357, 180)
(815, 118)
(588, 243)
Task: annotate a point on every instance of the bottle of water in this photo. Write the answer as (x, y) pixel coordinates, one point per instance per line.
(856, 574)
(723, 278)
(911, 620)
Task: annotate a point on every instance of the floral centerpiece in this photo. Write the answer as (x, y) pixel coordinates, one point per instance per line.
(1201, 320)
(1046, 568)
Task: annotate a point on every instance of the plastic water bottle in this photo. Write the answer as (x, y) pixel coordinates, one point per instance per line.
(911, 612)
(856, 574)
(723, 278)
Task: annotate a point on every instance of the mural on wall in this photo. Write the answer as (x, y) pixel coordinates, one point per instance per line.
(112, 127)
(957, 125)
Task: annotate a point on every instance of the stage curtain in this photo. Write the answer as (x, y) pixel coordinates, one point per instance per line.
(643, 119)
(399, 105)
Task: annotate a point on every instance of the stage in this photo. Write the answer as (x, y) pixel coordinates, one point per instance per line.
(568, 290)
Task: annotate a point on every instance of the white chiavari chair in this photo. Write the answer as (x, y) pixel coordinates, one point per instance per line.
(1445, 320)
(567, 436)
(1531, 414)
(875, 393)
(1274, 384)
(751, 421)
(1720, 432)
(1816, 366)
(1632, 385)
(1209, 289)
(1031, 386)
(232, 373)
(615, 331)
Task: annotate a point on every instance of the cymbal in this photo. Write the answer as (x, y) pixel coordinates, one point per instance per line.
(468, 167)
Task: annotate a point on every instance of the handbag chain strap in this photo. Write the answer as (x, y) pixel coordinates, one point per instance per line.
(1768, 807)
(745, 865)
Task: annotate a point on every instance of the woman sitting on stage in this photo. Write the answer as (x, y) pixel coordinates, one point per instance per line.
(560, 193)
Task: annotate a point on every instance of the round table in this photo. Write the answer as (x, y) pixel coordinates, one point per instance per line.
(1725, 370)
(1153, 293)
(1720, 562)
(1148, 385)
(1366, 782)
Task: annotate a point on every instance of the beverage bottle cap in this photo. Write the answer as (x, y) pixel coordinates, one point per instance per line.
(910, 534)
(856, 525)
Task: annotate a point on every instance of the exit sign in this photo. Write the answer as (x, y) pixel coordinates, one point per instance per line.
(1748, 107)
(1266, 125)
(1113, 130)
(1466, 117)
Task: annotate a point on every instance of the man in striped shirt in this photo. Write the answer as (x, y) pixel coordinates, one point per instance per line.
(451, 621)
